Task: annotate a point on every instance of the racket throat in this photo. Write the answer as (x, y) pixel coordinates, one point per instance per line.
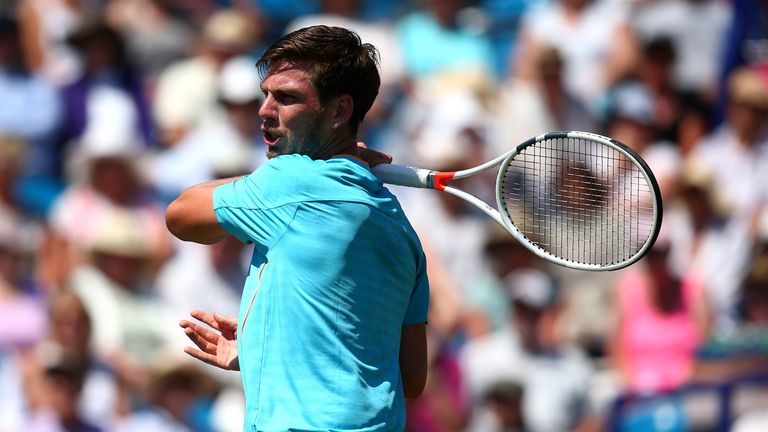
(439, 180)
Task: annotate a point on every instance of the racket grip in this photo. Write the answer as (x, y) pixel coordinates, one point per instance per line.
(404, 175)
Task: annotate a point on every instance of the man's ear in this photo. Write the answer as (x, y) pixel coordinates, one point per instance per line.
(344, 107)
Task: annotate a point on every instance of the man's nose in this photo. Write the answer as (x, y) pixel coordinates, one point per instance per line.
(267, 108)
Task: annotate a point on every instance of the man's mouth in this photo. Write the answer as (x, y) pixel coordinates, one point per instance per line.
(270, 138)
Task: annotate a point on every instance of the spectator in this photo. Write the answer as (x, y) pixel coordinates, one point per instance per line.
(433, 40)
(737, 151)
(230, 142)
(106, 177)
(696, 30)
(631, 121)
(186, 90)
(704, 243)
(70, 332)
(132, 326)
(106, 63)
(529, 107)
(24, 323)
(45, 26)
(155, 35)
(662, 321)
(54, 386)
(501, 410)
(655, 72)
(21, 89)
(179, 394)
(24, 319)
(554, 376)
(594, 38)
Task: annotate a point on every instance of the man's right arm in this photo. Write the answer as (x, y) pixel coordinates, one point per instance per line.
(191, 217)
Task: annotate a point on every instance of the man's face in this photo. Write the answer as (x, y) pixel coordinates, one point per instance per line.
(293, 119)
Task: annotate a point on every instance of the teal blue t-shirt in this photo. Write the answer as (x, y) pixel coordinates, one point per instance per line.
(337, 271)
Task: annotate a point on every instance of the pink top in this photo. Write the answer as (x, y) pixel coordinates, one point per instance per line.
(24, 322)
(659, 349)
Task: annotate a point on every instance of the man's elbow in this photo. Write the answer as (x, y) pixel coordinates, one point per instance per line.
(176, 221)
(173, 220)
(182, 219)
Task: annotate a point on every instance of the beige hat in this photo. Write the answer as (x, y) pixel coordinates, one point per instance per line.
(229, 29)
(696, 175)
(747, 86)
(120, 233)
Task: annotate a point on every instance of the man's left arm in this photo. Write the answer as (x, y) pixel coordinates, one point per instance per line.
(191, 216)
(413, 359)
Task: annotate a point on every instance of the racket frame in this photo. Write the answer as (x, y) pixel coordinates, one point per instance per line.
(429, 179)
(509, 225)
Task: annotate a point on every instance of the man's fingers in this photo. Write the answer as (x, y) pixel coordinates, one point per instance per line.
(195, 332)
(372, 157)
(204, 357)
(225, 321)
(200, 342)
(205, 317)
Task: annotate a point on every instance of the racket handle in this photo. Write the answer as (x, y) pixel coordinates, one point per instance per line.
(404, 175)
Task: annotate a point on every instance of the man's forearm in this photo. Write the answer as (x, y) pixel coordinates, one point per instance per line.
(190, 216)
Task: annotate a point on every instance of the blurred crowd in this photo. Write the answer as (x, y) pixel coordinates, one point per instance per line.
(110, 108)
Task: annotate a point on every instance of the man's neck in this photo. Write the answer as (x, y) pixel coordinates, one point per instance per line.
(337, 145)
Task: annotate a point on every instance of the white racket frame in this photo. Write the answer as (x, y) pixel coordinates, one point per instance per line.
(429, 179)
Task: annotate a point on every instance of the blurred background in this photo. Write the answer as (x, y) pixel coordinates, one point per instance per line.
(109, 108)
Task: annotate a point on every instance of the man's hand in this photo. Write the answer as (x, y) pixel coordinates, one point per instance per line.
(216, 348)
(372, 157)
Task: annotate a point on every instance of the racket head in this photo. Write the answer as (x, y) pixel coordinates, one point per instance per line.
(580, 200)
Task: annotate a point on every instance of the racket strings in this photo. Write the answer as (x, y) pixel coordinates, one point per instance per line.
(579, 200)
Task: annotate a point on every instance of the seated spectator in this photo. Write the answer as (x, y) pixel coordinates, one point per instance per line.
(662, 320)
(501, 409)
(705, 243)
(553, 375)
(70, 332)
(185, 92)
(229, 142)
(132, 326)
(54, 385)
(432, 41)
(598, 46)
(22, 89)
(106, 177)
(538, 104)
(737, 151)
(178, 399)
(106, 63)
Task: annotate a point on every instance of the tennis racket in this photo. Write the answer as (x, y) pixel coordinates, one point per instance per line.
(577, 199)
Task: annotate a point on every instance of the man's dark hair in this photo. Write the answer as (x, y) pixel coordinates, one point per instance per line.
(342, 64)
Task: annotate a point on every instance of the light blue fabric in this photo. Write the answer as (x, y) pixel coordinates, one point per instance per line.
(428, 48)
(337, 271)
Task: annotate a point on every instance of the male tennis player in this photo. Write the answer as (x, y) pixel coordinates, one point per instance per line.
(331, 329)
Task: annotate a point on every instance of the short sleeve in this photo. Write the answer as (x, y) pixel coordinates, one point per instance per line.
(246, 209)
(419, 303)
